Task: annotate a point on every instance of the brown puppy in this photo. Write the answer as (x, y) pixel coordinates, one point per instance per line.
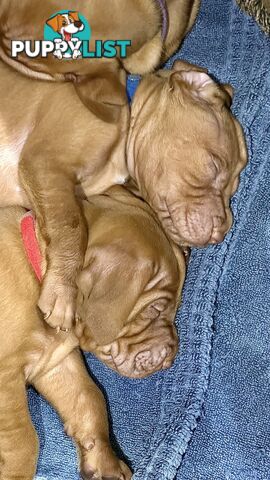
(185, 151)
(127, 302)
(136, 20)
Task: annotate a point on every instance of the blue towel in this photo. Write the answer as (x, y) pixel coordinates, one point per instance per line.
(207, 418)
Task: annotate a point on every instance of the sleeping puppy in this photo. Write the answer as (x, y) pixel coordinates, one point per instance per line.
(129, 290)
(185, 152)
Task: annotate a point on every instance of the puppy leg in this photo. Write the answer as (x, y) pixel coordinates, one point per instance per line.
(81, 405)
(18, 439)
(51, 193)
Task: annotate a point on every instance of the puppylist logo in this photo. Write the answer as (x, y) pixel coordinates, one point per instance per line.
(66, 36)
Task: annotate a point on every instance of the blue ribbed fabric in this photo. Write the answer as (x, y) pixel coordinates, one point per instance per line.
(220, 380)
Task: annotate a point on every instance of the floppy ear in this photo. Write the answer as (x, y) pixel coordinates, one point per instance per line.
(54, 23)
(104, 94)
(110, 288)
(200, 84)
(220, 95)
(197, 81)
(192, 75)
(74, 15)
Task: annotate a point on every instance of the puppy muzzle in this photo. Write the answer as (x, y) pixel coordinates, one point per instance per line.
(196, 223)
(143, 354)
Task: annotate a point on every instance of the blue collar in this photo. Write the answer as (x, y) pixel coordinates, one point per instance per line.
(132, 85)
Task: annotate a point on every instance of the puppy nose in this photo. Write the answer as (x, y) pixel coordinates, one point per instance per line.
(155, 359)
(216, 237)
(78, 23)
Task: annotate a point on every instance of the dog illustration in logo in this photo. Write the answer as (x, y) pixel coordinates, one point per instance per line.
(66, 24)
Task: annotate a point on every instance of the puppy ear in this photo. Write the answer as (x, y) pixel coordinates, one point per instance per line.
(74, 15)
(193, 75)
(200, 84)
(110, 291)
(54, 23)
(220, 95)
(197, 80)
(195, 84)
(104, 94)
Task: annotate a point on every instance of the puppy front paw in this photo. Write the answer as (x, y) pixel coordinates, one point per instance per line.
(57, 302)
(100, 463)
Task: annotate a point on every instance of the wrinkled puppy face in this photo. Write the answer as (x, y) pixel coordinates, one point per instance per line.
(129, 291)
(146, 344)
(186, 151)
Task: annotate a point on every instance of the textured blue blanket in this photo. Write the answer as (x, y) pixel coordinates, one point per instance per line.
(220, 382)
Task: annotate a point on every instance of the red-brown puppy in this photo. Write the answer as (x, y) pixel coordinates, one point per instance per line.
(129, 290)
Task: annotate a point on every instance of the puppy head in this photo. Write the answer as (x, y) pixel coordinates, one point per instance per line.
(129, 290)
(66, 24)
(186, 151)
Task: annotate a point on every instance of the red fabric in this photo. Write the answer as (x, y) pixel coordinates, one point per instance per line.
(30, 242)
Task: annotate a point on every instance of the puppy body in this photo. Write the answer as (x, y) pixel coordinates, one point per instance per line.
(52, 144)
(130, 327)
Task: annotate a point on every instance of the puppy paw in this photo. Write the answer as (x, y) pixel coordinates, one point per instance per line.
(100, 463)
(57, 302)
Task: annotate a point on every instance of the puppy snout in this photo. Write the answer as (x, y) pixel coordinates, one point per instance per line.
(78, 23)
(221, 226)
(206, 224)
(200, 222)
(157, 358)
(139, 360)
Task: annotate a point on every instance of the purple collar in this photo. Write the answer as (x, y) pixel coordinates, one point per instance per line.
(165, 17)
